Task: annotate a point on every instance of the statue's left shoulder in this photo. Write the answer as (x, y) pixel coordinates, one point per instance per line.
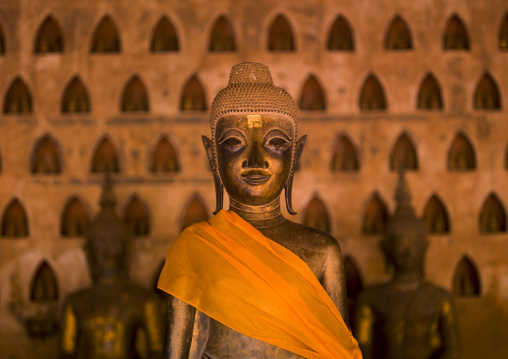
(315, 238)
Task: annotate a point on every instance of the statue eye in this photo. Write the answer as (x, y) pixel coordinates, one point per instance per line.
(277, 144)
(232, 143)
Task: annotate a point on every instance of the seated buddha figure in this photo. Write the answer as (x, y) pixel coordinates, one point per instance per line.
(271, 288)
(407, 317)
(115, 318)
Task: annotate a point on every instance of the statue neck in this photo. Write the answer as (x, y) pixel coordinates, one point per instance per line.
(268, 215)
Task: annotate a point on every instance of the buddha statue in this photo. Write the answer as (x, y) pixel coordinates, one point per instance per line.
(115, 318)
(271, 288)
(407, 317)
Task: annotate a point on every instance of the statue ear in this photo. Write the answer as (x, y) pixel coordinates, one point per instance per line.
(207, 144)
(219, 188)
(386, 254)
(299, 149)
(288, 189)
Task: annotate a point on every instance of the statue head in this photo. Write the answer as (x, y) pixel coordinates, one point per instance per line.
(253, 150)
(107, 239)
(405, 242)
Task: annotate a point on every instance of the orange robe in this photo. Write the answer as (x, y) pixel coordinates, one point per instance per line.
(231, 272)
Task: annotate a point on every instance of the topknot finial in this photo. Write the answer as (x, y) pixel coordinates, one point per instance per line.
(402, 194)
(404, 220)
(250, 72)
(108, 198)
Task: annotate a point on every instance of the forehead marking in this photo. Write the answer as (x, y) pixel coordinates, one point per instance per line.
(254, 121)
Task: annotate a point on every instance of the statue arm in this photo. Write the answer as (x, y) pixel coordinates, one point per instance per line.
(68, 333)
(153, 325)
(364, 331)
(179, 321)
(333, 280)
(449, 330)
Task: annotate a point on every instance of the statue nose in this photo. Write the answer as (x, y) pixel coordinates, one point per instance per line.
(255, 159)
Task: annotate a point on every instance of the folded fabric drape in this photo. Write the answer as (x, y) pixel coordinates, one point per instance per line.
(234, 274)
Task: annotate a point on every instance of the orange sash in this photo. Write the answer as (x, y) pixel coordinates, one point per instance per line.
(228, 270)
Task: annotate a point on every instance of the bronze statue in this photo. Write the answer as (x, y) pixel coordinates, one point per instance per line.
(406, 317)
(115, 318)
(253, 152)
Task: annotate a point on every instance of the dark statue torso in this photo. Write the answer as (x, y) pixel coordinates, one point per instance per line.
(112, 321)
(321, 252)
(407, 323)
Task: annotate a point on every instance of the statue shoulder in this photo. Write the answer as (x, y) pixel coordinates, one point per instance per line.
(314, 237)
(373, 293)
(437, 292)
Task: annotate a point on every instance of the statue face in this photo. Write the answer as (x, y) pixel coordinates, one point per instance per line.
(254, 154)
(407, 252)
(106, 256)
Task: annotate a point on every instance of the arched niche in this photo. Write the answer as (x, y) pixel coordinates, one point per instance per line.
(375, 216)
(18, 99)
(466, 281)
(136, 217)
(316, 215)
(398, 36)
(429, 96)
(164, 38)
(155, 280)
(75, 220)
(486, 95)
(492, 215)
(372, 96)
(222, 37)
(341, 37)
(404, 154)
(134, 96)
(194, 212)
(3, 45)
(164, 157)
(75, 98)
(280, 35)
(105, 157)
(14, 220)
(455, 36)
(105, 37)
(49, 37)
(435, 216)
(46, 157)
(313, 97)
(503, 34)
(344, 156)
(44, 285)
(193, 96)
(461, 155)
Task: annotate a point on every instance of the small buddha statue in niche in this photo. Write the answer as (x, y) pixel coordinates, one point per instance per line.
(271, 288)
(406, 317)
(115, 318)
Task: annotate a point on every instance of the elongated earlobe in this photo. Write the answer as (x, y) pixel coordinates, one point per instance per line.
(219, 188)
(288, 189)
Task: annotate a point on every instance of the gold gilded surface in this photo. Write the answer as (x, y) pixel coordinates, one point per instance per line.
(69, 330)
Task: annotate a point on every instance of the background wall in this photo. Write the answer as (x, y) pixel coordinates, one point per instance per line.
(341, 74)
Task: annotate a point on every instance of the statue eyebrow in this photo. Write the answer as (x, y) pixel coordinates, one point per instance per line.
(231, 133)
(276, 131)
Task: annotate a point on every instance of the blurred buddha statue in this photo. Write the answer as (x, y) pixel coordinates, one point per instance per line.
(270, 287)
(406, 317)
(115, 318)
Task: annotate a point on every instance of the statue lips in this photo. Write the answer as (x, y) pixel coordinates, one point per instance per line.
(256, 177)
